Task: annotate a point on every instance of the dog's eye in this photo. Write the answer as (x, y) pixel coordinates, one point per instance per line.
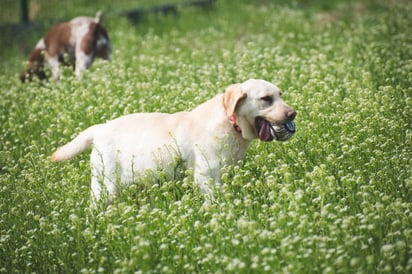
(267, 99)
(280, 93)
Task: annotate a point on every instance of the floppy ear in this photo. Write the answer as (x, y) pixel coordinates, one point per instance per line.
(232, 97)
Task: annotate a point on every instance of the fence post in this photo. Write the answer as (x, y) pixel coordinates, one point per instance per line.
(24, 8)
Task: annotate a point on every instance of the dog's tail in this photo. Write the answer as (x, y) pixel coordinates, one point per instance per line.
(77, 145)
(98, 18)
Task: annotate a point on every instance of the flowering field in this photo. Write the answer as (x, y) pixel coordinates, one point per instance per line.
(337, 198)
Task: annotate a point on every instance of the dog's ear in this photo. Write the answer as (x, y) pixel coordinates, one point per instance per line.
(231, 98)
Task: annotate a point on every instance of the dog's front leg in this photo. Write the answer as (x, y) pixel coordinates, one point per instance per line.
(207, 176)
(83, 60)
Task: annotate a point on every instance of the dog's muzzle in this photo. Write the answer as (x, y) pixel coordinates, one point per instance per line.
(268, 131)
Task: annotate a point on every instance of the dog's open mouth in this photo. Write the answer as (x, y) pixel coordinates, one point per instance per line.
(267, 131)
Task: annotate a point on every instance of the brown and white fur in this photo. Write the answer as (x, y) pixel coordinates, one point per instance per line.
(215, 133)
(75, 43)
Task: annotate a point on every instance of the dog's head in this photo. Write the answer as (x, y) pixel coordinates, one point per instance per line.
(103, 47)
(102, 44)
(257, 110)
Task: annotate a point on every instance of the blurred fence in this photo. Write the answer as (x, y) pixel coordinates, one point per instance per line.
(24, 11)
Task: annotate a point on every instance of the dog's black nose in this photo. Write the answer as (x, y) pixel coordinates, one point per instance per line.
(291, 114)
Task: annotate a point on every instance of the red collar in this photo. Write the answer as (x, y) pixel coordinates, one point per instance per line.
(233, 121)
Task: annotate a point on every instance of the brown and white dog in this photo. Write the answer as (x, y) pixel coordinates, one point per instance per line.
(75, 43)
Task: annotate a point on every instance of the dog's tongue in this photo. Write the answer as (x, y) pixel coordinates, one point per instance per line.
(264, 131)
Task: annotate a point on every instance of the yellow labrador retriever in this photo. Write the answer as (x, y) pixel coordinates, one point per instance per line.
(215, 133)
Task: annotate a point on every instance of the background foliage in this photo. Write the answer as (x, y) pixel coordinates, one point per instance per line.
(334, 199)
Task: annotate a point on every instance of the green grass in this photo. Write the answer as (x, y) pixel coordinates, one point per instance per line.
(334, 199)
